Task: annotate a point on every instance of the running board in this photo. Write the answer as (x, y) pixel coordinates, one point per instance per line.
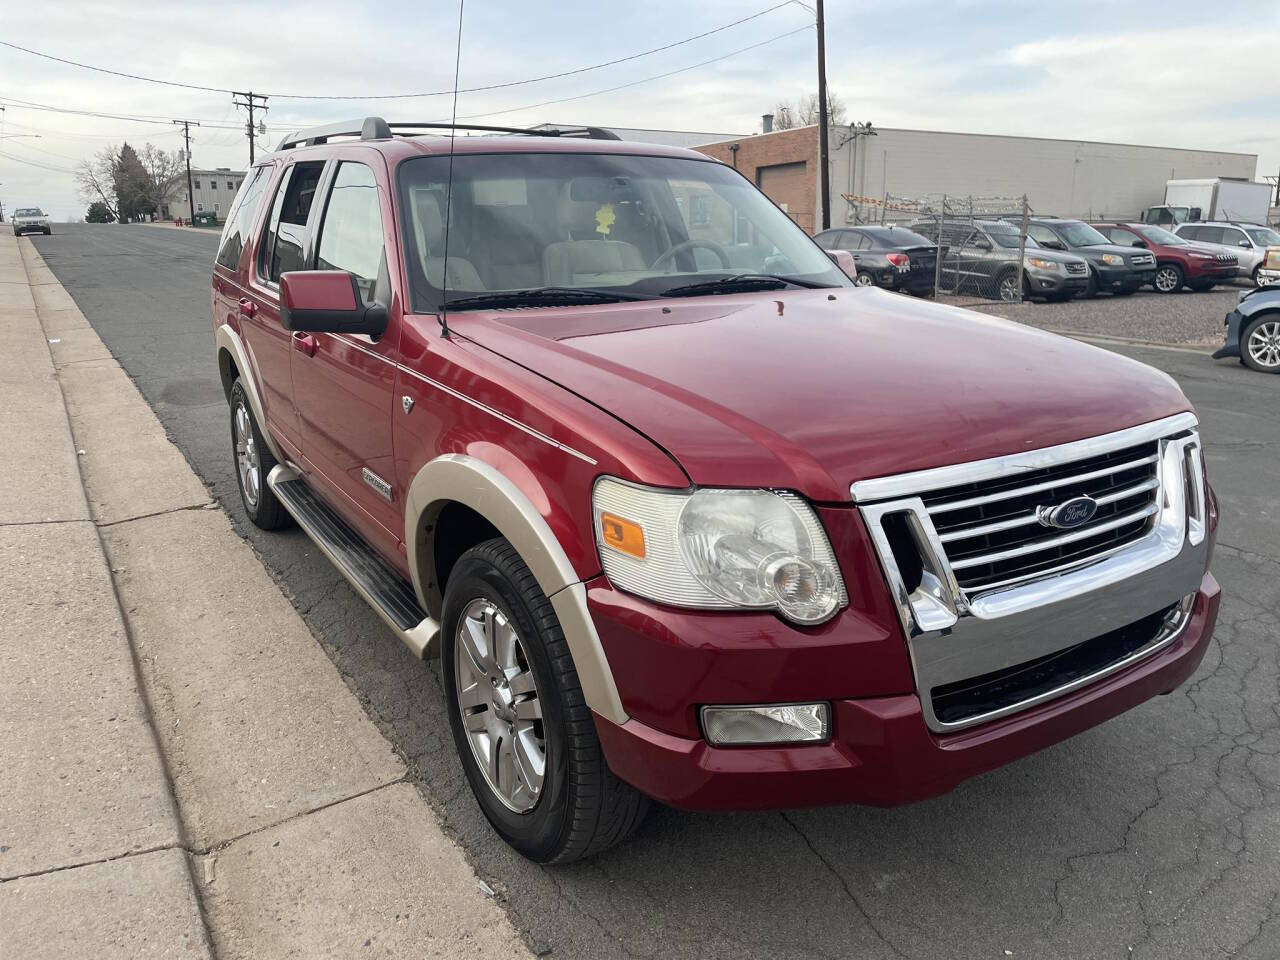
(373, 578)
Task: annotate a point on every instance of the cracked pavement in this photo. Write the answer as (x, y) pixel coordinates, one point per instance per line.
(1156, 835)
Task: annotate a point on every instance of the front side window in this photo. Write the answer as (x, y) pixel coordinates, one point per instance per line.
(1043, 234)
(351, 233)
(626, 226)
(1233, 237)
(286, 230)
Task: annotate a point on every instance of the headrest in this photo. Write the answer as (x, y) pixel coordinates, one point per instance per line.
(428, 219)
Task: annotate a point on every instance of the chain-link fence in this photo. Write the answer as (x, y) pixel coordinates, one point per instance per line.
(981, 244)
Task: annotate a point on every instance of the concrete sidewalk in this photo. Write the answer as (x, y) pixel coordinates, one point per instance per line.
(186, 773)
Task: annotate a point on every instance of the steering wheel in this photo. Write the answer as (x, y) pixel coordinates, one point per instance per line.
(679, 248)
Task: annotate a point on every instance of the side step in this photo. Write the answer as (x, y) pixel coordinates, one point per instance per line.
(373, 578)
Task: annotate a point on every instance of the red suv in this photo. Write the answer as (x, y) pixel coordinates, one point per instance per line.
(1178, 261)
(685, 514)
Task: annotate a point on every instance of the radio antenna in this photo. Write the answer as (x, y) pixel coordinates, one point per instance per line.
(448, 199)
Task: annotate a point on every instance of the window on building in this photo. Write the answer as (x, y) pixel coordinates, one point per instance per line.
(199, 208)
(351, 235)
(215, 208)
(231, 185)
(197, 184)
(213, 184)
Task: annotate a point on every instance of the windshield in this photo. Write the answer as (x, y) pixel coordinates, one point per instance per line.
(631, 226)
(1079, 234)
(1264, 237)
(1160, 235)
(28, 212)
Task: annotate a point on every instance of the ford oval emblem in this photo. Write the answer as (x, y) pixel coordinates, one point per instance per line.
(1070, 514)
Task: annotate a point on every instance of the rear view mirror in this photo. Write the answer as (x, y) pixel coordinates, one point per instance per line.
(328, 301)
(846, 261)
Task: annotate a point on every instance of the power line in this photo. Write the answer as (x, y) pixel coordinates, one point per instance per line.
(33, 163)
(402, 96)
(132, 118)
(634, 83)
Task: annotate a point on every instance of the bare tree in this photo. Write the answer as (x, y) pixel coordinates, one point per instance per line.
(96, 179)
(804, 112)
(163, 169)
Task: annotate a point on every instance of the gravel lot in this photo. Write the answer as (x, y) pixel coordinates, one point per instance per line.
(1180, 318)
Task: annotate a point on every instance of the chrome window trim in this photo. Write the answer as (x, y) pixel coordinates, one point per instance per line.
(954, 634)
(938, 478)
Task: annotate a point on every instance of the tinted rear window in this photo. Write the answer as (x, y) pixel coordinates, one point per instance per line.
(894, 238)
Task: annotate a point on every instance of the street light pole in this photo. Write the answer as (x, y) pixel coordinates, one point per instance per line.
(824, 165)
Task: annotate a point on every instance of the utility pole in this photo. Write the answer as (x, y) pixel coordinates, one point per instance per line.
(824, 165)
(251, 102)
(186, 139)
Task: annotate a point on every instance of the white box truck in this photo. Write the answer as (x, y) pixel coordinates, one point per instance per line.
(1214, 198)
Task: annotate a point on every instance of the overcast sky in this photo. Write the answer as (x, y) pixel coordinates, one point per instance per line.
(1172, 74)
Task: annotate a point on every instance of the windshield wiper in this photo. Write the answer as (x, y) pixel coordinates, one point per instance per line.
(538, 297)
(739, 283)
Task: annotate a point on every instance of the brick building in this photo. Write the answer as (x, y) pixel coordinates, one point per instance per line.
(783, 164)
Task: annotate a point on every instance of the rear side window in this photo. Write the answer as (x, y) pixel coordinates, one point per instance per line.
(282, 246)
(236, 231)
(351, 235)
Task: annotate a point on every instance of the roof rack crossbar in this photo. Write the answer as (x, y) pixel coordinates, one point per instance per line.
(375, 128)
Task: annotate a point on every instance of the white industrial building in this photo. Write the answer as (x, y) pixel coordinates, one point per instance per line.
(1069, 178)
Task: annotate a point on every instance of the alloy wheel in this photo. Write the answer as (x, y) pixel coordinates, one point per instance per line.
(1264, 344)
(499, 704)
(1166, 280)
(247, 457)
(863, 280)
(1009, 291)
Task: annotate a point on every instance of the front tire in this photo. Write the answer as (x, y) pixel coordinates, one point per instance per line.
(522, 728)
(1257, 275)
(1168, 279)
(253, 464)
(864, 279)
(1260, 344)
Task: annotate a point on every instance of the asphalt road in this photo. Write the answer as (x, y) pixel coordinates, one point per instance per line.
(1154, 835)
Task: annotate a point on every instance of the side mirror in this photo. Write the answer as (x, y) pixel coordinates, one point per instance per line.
(846, 261)
(1053, 244)
(982, 243)
(1142, 243)
(1246, 244)
(328, 301)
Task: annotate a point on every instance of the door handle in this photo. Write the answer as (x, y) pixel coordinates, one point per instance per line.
(305, 342)
(247, 307)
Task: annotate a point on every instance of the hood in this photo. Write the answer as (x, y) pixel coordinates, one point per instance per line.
(812, 390)
(1098, 249)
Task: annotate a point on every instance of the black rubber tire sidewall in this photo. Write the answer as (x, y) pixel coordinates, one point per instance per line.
(269, 514)
(540, 833)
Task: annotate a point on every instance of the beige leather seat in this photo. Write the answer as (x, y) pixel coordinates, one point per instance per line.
(428, 227)
(585, 253)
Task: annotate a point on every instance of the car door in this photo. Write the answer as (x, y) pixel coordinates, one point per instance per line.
(344, 384)
(269, 344)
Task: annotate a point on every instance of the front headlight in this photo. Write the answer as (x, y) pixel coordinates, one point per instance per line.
(718, 549)
(1113, 260)
(1042, 263)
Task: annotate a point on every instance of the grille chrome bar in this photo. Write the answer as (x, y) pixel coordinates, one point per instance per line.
(966, 533)
(1038, 487)
(1037, 546)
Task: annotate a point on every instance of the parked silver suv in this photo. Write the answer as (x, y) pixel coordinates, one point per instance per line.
(30, 220)
(1250, 242)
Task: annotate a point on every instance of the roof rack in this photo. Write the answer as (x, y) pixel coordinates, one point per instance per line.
(375, 128)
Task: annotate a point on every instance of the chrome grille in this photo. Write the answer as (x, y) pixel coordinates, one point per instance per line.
(1075, 267)
(1228, 258)
(1143, 260)
(992, 534)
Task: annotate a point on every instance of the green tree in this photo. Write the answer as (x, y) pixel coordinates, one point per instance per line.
(131, 183)
(99, 212)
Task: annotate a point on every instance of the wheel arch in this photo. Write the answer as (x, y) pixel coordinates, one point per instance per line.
(233, 364)
(454, 481)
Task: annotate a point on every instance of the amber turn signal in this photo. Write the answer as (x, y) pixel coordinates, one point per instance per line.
(623, 535)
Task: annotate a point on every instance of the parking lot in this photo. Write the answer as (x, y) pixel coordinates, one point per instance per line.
(1154, 835)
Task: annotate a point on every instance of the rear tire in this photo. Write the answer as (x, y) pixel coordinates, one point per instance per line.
(1260, 344)
(864, 279)
(253, 463)
(579, 807)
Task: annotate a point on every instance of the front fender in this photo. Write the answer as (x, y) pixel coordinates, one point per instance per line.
(458, 478)
(230, 342)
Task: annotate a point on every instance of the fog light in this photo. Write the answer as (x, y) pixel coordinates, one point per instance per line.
(778, 723)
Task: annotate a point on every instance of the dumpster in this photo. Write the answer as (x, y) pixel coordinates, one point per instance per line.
(205, 219)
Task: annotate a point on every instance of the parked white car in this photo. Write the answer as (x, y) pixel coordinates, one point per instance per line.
(30, 220)
(1250, 242)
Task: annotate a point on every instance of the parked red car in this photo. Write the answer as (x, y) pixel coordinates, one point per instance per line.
(686, 514)
(1179, 262)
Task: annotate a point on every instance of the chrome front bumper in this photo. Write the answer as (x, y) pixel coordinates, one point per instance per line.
(954, 635)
